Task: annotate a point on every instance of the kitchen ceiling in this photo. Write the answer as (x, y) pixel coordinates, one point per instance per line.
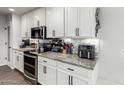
(18, 10)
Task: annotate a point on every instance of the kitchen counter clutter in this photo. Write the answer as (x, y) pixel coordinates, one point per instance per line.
(70, 59)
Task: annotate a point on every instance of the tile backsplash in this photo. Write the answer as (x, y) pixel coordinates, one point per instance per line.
(76, 42)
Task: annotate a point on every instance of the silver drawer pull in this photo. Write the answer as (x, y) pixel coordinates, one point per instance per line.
(70, 69)
(44, 61)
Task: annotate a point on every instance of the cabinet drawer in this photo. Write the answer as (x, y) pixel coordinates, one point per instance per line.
(75, 69)
(47, 61)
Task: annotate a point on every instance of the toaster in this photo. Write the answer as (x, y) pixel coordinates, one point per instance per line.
(86, 51)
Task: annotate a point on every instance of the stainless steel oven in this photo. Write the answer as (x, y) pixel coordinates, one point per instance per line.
(31, 67)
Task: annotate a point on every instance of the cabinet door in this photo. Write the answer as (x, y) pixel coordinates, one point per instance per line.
(50, 21)
(21, 62)
(63, 78)
(55, 22)
(42, 16)
(16, 59)
(59, 22)
(36, 18)
(86, 21)
(24, 26)
(71, 20)
(41, 73)
(39, 17)
(29, 23)
(50, 75)
(79, 81)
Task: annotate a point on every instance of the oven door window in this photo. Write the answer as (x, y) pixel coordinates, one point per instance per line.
(29, 60)
(29, 71)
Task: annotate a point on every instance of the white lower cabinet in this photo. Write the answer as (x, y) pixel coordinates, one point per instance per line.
(41, 73)
(51, 72)
(46, 72)
(67, 78)
(15, 59)
(18, 60)
(21, 62)
(63, 78)
(51, 75)
(78, 81)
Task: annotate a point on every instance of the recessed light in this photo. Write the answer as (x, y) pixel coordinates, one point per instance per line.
(11, 9)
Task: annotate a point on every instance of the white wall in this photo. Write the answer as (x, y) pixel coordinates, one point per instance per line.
(112, 41)
(3, 39)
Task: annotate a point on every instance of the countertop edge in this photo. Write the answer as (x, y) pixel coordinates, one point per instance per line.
(89, 68)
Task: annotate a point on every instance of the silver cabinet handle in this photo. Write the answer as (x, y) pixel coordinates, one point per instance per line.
(17, 58)
(53, 33)
(20, 53)
(76, 32)
(38, 23)
(44, 70)
(44, 61)
(70, 69)
(69, 80)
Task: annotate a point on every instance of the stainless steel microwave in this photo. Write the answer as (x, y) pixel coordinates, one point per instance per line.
(38, 32)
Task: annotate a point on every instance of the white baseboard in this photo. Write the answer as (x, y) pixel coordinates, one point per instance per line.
(8, 63)
(3, 64)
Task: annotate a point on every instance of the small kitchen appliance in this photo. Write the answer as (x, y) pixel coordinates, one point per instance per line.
(46, 47)
(38, 32)
(86, 51)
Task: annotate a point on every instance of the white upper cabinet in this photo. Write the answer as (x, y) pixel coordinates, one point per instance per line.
(26, 24)
(39, 17)
(86, 23)
(23, 26)
(80, 22)
(32, 19)
(55, 22)
(29, 23)
(71, 20)
(61, 22)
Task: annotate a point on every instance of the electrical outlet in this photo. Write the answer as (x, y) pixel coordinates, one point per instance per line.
(122, 52)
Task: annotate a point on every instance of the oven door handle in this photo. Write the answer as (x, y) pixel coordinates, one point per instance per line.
(29, 77)
(30, 56)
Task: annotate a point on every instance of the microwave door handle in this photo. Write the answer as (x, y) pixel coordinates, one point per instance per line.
(80, 53)
(43, 29)
(41, 32)
(88, 55)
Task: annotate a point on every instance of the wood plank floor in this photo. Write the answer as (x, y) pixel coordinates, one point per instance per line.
(11, 77)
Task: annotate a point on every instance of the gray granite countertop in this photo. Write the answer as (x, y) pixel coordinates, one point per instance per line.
(24, 49)
(70, 59)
